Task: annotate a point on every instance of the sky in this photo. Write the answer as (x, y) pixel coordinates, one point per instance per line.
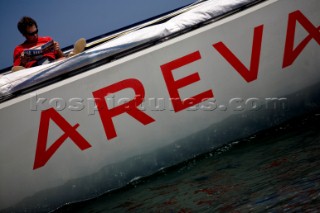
(68, 20)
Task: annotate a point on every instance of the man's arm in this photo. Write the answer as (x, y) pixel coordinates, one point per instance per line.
(19, 59)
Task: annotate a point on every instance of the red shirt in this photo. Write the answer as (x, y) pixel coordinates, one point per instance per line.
(26, 45)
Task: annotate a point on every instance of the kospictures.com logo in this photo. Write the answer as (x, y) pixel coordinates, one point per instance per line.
(158, 104)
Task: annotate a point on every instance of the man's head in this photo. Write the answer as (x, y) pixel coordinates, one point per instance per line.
(28, 28)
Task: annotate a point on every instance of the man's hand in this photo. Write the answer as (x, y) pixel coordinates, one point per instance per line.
(59, 53)
(24, 59)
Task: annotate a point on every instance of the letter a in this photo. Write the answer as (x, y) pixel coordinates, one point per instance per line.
(290, 54)
(42, 154)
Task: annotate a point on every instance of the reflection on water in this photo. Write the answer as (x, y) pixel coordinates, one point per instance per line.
(277, 170)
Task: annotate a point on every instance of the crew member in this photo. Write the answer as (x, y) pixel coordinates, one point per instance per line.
(29, 29)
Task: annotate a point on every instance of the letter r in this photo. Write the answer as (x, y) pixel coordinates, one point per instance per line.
(130, 107)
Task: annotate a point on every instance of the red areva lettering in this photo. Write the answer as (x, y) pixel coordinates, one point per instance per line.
(130, 107)
(291, 54)
(43, 154)
(248, 74)
(173, 85)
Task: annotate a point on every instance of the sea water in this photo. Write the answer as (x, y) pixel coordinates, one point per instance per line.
(277, 170)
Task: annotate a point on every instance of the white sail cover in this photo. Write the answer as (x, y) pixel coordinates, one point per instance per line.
(203, 12)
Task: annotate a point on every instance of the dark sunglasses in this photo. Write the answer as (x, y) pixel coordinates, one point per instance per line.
(33, 33)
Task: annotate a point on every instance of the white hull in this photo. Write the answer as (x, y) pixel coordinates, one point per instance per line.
(151, 138)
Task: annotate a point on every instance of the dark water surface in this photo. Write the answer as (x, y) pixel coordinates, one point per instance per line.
(277, 170)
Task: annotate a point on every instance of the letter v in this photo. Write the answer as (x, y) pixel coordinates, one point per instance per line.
(42, 155)
(252, 73)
